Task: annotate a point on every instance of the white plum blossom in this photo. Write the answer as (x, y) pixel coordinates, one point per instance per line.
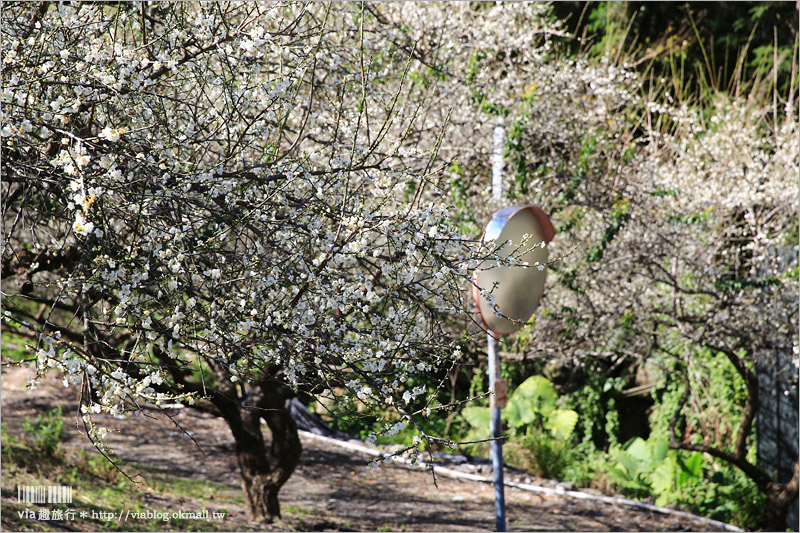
(111, 134)
(81, 226)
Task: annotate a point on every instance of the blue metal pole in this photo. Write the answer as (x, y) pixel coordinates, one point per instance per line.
(496, 431)
(495, 425)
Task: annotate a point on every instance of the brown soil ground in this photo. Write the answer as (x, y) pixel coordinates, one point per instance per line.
(332, 489)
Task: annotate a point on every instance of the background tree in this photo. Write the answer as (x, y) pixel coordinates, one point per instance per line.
(673, 199)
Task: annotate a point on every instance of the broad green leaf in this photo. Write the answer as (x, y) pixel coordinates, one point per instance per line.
(660, 447)
(690, 469)
(695, 464)
(640, 451)
(517, 413)
(535, 395)
(561, 423)
(477, 417)
(664, 499)
(619, 475)
(663, 479)
(625, 459)
(477, 434)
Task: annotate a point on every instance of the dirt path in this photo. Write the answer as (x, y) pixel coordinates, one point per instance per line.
(332, 489)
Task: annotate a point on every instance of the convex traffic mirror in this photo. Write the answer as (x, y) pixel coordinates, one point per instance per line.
(509, 285)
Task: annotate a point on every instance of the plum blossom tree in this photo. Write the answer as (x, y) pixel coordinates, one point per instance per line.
(682, 221)
(209, 204)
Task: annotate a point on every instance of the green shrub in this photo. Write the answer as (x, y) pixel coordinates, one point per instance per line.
(649, 468)
(533, 403)
(538, 431)
(540, 453)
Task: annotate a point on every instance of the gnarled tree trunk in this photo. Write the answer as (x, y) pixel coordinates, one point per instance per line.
(264, 470)
(779, 497)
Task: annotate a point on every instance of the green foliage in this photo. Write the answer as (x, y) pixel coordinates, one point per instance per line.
(576, 214)
(594, 401)
(644, 467)
(516, 153)
(479, 97)
(420, 79)
(533, 403)
(608, 20)
(661, 193)
(478, 418)
(649, 469)
(14, 347)
(46, 432)
(458, 194)
(476, 386)
(710, 41)
(204, 375)
(96, 466)
(541, 454)
(411, 190)
(757, 283)
(690, 480)
(7, 442)
(585, 156)
(692, 218)
(561, 423)
(717, 410)
(538, 431)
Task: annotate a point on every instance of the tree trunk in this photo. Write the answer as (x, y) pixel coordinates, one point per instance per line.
(286, 448)
(264, 471)
(779, 497)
